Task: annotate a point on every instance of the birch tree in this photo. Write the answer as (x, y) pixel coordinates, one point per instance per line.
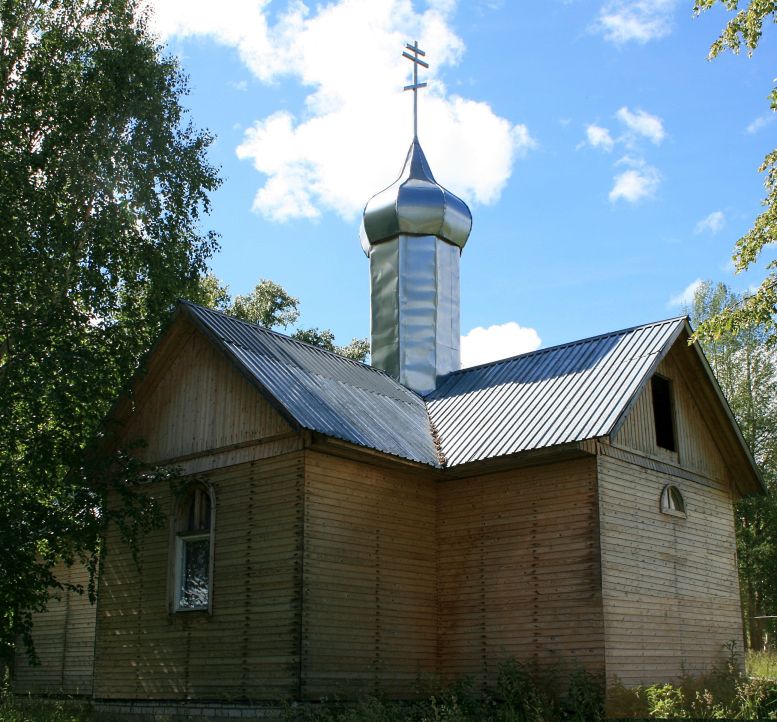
(103, 186)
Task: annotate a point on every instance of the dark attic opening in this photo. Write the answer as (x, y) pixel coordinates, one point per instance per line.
(663, 415)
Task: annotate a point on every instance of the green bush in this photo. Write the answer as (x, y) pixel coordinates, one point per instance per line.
(723, 693)
(523, 693)
(43, 711)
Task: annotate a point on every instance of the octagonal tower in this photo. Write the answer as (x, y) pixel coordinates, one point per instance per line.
(413, 233)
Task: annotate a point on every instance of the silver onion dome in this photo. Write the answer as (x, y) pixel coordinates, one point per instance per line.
(415, 204)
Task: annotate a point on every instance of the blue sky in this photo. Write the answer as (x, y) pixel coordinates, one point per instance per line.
(607, 163)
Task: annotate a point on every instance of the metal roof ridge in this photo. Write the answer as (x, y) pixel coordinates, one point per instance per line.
(558, 346)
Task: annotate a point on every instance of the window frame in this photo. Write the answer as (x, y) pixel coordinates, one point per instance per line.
(667, 505)
(178, 539)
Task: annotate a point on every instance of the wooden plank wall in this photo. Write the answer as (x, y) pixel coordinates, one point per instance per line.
(670, 587)
(64, 641)
(248, 649)
(696, 447)
(369, 620)
(519, 570)
(200, 403)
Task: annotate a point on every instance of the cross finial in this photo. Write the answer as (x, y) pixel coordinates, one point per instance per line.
(416, 56)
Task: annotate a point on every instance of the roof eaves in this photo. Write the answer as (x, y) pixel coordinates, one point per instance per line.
(682, 322)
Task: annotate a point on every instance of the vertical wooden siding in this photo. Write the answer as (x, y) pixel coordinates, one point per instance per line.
(670, 588)
(249, 647)
(519, 570)
(64, 642)
(200, 403)
(696, 447)
(369, 620)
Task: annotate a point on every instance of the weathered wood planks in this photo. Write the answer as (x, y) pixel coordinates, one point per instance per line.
(64, 642)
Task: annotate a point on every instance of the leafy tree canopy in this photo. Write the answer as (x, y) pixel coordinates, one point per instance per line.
(271, 306)
(746, 368)
(103, 183)
(746, 27)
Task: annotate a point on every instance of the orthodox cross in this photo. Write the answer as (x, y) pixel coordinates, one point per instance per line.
(416, 56)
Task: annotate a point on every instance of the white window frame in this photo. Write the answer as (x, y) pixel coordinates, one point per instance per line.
(665, 504)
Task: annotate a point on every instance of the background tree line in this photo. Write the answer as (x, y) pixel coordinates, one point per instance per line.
(270, 305)
(745, 365)
(739, 334)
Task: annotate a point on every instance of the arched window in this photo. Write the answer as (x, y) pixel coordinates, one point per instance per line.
(193, 549)
(672, 501)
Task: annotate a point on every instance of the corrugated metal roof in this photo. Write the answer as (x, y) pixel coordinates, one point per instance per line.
(552, 396)
(324, 392)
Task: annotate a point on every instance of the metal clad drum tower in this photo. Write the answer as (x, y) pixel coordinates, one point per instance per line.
(413, 233)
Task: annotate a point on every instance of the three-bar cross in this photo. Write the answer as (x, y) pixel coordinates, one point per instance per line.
(416, 59)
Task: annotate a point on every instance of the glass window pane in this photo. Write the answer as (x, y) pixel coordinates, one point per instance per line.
(194, 573)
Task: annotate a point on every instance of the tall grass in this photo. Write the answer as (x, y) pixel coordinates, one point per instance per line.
(762, 664)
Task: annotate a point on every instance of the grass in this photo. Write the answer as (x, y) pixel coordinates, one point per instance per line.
(762, 664)
(522, 694)
(24, 710)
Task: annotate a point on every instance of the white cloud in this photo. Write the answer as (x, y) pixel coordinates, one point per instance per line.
(643, 124)
(351, 137)
(684, 299)
(599, 137)
(639, 181)
(760, 122)
(712, 223)
(621, 21)
(482, 345)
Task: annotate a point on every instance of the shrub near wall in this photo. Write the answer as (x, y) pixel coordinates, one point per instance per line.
(522, 694)
(724, 693)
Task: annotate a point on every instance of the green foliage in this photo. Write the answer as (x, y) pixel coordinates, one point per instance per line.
(522, 694)
(584, 698)
(762, 664)
(356, 350)
(724, 693)
(744, 363)
(212, 293)
(103, 184)
(746, 26)
(666, 701)
(45, 712)
(270, 305)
